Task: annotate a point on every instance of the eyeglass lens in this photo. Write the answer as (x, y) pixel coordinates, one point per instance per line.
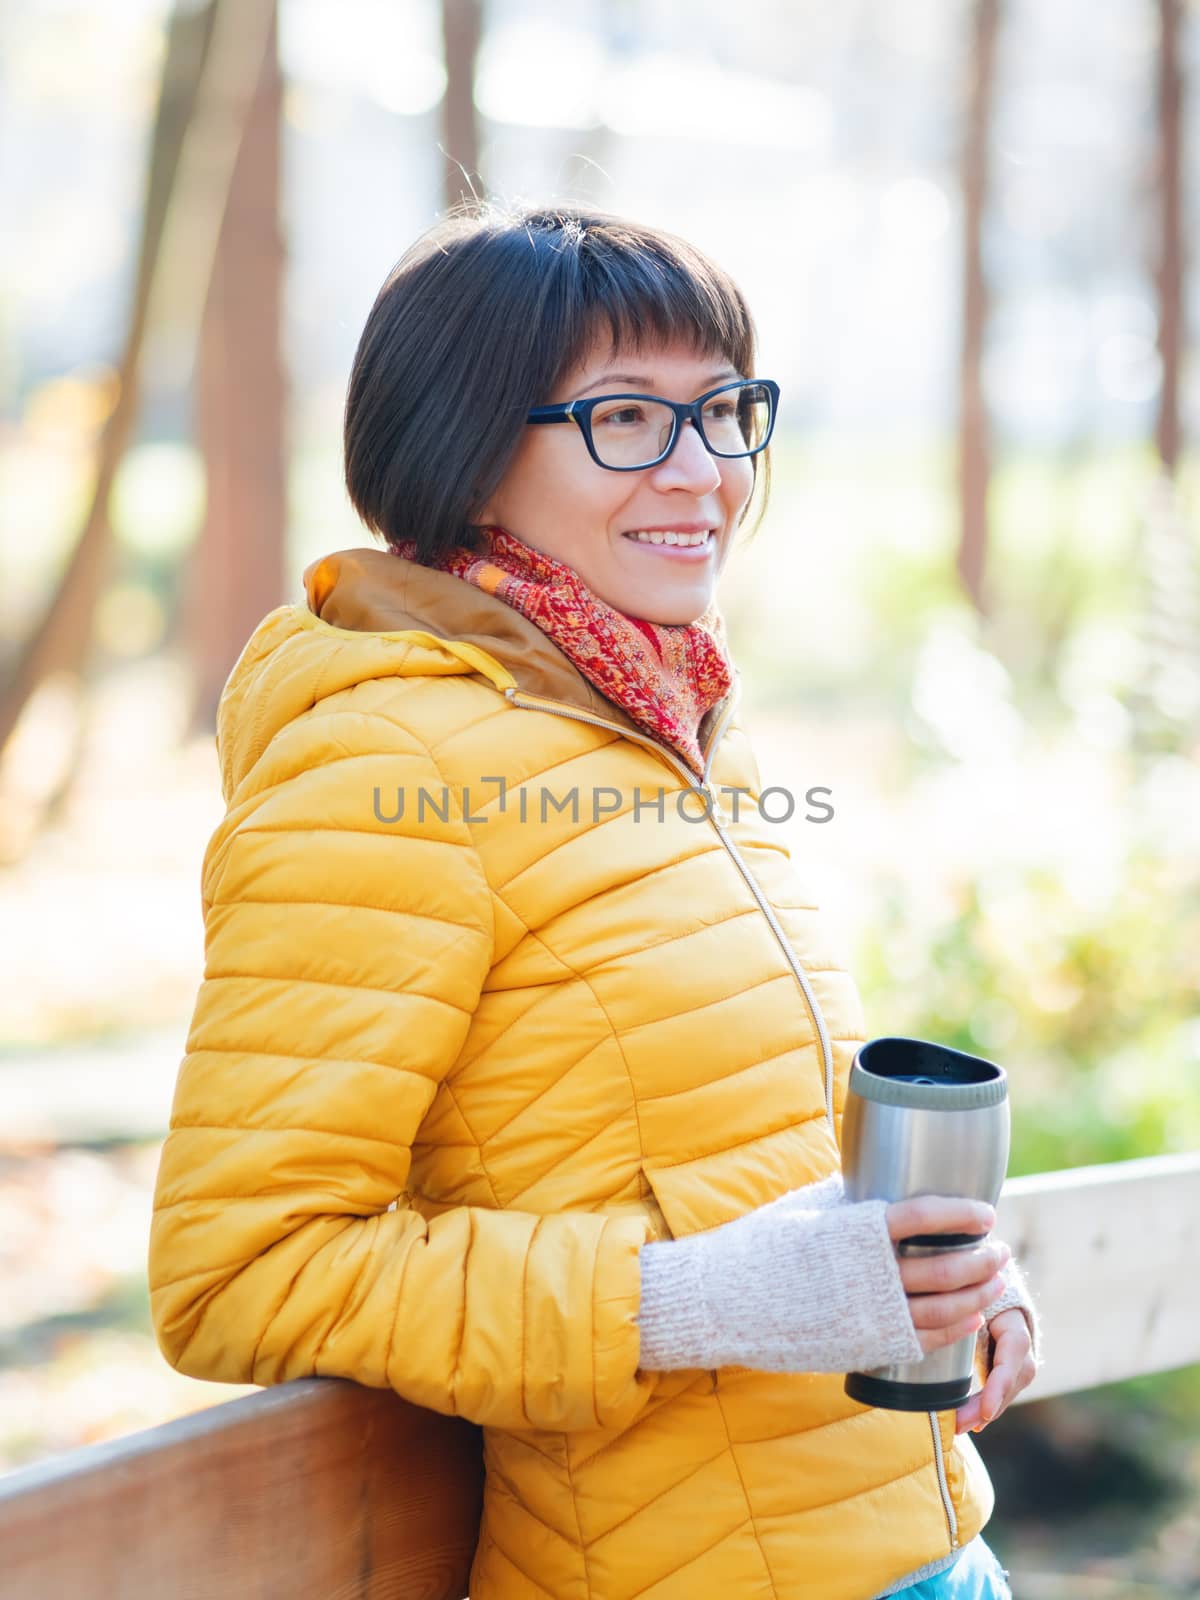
(634, 433)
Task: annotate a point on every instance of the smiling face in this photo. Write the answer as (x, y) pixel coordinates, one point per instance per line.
(555, 498)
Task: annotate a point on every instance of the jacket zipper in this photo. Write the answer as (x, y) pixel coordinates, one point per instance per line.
(716, 817)
(939, 1461)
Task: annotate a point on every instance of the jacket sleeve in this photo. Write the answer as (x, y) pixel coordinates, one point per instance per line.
(345, 956)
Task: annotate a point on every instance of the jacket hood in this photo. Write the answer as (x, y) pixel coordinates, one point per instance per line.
(371, 614)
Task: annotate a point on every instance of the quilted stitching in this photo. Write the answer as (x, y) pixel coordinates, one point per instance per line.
(483, 1024)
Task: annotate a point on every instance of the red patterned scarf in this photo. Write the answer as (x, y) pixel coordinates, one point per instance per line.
(664, 676)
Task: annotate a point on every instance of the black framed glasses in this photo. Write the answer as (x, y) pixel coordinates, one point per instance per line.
(629, 432)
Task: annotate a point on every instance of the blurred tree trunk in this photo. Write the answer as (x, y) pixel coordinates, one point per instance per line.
(213, 60)
(462, 29)
(1165, 701)
(974, 464)
(61, 638)
(1170, 265)
(236, 574)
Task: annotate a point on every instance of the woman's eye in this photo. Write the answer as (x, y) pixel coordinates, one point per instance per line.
(721, 410)
(626, 416)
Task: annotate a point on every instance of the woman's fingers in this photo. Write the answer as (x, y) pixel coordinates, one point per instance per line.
(967, 1415)
(936, 1338)
(942, 1310)
(954, 1269)
(1013, 1366)
(1013, 1369)
(935, 1213)
(948, 1291)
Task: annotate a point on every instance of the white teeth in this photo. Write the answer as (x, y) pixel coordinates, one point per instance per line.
(655, 536)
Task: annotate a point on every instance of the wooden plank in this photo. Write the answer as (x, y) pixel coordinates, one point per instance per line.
(317, 1490)
(322, 1490)
(1111, 1256)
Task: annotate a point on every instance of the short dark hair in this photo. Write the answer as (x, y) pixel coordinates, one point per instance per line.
(478, 321)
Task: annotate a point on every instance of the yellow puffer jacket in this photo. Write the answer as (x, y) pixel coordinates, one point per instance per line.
(448, 1072)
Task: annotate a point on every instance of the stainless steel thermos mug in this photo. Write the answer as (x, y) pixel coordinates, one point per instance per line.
(923, 1119)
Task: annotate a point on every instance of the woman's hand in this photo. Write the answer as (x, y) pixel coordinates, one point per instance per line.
(948, 1293)
(1013, 1368)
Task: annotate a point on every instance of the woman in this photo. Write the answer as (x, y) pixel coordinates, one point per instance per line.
(515, 1079)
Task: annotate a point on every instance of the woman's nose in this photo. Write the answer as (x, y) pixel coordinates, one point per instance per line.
(689, 466)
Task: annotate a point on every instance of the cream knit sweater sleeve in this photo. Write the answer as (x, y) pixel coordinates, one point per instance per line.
(809, 1283)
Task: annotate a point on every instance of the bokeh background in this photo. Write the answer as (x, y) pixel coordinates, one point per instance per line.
(967, 230)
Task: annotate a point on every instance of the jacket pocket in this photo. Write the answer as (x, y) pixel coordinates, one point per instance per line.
(710, 1190)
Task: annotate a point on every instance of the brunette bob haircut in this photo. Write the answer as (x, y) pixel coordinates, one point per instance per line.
(480, 320)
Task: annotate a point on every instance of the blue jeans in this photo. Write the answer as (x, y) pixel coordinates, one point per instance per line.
(976, 1575)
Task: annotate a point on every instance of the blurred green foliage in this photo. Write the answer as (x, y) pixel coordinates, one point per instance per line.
(1065, 943)
(1094, 1018)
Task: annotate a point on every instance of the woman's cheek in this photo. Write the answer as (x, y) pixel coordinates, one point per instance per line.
(737, 485)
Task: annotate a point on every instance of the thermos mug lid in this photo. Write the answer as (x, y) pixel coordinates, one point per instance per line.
(925, 1077)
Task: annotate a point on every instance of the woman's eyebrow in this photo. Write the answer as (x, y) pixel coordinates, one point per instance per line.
(646, 382)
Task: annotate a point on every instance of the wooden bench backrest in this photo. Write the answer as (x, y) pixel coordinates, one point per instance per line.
(321, 1490)
(318, 1490)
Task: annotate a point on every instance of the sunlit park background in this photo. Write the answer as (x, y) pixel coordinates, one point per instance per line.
(972, 611)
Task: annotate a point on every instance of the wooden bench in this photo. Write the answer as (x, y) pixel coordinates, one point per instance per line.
(322, 1490)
